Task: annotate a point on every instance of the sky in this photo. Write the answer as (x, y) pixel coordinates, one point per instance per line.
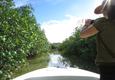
(59, 18)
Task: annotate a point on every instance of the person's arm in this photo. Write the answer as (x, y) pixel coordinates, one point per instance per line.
(88, 31)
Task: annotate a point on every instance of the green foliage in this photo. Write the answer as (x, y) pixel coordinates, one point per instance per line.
(80, 52)
(20, 37)
(55, 46)
(35, 38)
(33, 64)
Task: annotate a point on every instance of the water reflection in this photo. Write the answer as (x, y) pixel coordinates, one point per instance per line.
(56, 60)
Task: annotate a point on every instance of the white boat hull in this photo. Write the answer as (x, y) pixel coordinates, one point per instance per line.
(52, 73)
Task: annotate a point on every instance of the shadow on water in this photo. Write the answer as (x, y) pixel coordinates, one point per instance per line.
(56, 60)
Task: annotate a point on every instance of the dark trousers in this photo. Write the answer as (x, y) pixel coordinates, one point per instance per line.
(107, 72)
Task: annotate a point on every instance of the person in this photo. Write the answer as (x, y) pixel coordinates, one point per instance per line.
(104, 29)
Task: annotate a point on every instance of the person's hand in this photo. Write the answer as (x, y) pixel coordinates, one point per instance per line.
(88, 22)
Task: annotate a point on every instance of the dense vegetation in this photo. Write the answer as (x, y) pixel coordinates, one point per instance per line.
(20, 37)
(80, 52)
(54, 47)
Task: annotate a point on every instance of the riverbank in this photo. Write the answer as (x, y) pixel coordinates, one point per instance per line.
(33, 64)
(51, 60)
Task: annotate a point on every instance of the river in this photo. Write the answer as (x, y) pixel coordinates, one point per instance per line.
(56, 60)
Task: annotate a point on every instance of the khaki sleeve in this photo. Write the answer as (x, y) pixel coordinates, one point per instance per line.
(99, 24)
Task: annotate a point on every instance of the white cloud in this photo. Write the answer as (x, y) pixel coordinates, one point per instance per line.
(97, 2)
(57, 31)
